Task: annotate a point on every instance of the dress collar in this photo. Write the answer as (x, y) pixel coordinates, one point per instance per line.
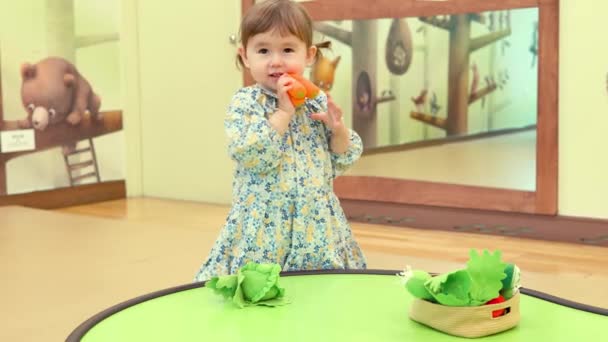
(267, 92)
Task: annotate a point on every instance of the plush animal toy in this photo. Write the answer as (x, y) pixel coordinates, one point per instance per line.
(323, 72)
(301, 90)
(52, 91)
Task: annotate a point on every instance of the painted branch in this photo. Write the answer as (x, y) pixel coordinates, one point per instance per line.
(338, 34)
(62, 133)
(429, 119)
(439, 23)
(385, 98)
(481, 93)
(479, 42)
(84, 41)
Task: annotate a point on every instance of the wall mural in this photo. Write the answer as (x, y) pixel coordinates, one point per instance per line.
(60, 109)
(452, 75)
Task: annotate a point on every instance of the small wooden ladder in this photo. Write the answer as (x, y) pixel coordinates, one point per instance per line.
(79, 165)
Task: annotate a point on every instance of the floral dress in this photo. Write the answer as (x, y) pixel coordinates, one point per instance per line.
(284, 209)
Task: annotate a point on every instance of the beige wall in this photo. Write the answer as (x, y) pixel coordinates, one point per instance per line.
(185, 76)
(180, 75)
(583, 161)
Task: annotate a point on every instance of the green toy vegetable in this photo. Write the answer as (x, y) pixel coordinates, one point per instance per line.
(414, 282)
(254, 284)
(485, 278)
(452, 289)
(511, 283)
(487, 273)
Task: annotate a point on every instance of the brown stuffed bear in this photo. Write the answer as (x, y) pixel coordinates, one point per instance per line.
(52, 91)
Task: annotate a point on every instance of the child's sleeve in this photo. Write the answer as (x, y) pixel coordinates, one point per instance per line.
(252, 142)
(341, 161)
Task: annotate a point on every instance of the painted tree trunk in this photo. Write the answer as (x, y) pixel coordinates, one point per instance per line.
(458, 75)
(364, 89)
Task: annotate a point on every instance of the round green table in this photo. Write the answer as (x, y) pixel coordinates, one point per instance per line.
(325, 306)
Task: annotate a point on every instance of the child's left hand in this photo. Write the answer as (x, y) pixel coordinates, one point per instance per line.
(332, 118)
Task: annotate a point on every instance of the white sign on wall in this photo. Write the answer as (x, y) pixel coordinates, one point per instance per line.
(17, 140)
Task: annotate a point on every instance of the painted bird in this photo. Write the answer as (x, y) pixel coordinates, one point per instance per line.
(434, 105)
(420, 100)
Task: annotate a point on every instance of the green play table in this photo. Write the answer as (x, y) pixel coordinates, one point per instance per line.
(369, 305)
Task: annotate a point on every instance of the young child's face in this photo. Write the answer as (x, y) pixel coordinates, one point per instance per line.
(268, 55)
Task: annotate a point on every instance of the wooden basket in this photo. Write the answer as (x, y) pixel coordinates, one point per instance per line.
(470, 321)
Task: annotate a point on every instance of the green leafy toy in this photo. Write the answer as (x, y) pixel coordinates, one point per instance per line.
(451, 289)
(254, 284)
(484, 279)
(416, 284)
(511, 283)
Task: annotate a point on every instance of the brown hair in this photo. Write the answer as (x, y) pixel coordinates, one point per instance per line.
(286, 16)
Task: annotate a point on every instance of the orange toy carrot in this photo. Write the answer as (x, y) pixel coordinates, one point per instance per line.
(297, 94)
(301, 90)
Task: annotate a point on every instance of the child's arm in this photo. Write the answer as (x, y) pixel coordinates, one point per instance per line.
(343, 161)
(252, 141)
(340, 135)
(340, 140)
(345, 144)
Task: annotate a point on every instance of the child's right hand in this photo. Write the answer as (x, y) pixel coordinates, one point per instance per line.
(284, 84)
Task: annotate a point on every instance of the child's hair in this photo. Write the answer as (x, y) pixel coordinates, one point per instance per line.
(286, 16)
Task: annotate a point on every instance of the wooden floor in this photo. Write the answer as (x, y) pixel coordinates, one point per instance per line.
(61, 267)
